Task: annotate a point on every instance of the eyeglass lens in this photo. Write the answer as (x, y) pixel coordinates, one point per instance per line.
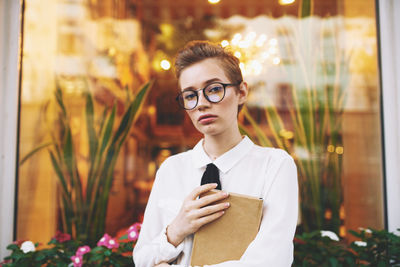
(213, 92)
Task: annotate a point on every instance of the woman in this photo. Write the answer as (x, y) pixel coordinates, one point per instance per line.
(212, 92)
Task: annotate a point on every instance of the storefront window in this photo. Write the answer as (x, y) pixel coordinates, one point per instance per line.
(314, 91)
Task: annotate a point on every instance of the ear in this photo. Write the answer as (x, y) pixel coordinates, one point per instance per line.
(243, 91)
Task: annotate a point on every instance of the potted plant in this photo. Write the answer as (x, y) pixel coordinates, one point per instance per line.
(84, 208)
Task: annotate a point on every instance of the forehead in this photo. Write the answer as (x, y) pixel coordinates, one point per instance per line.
(198, 74)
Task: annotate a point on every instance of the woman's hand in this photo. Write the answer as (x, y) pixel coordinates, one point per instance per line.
(195, 213)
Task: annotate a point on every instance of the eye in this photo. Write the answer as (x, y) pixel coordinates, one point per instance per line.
(187, 96)
(214, 88)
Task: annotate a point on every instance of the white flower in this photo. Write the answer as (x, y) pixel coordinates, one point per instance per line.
(28, 246)
(330, 234)
(360, 243)
(368, 231)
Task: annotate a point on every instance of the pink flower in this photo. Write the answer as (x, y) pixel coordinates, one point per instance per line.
(133, 233)
(108, 242)
(136, 226)
(77, 261)
(112, 243)
(82, 250)
(104, 240)
(62, 237)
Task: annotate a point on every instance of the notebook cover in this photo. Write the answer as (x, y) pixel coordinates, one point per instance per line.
(228, 237)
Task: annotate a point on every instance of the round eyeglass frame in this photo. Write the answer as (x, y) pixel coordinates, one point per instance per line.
(224, 85)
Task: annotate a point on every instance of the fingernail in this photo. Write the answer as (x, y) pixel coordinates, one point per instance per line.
(227, 204)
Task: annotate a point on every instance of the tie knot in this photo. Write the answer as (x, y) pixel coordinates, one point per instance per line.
(211, 175)
(212, 166)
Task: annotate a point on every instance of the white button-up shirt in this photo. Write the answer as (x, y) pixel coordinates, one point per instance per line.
(262, 172)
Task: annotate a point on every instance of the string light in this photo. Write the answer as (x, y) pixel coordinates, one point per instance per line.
(286, 2)
(272, 50)
(236, 39)
(251, 36)
(339, 150)
(265, 55)
(165, 65)
(276, 60)
(330, 148)
(256, 66)
(224, 43)
(273, 42)
(213, 1)
(261, 40)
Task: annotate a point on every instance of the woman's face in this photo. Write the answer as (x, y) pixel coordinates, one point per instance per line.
(212, 118)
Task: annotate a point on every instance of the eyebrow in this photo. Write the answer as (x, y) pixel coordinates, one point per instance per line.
(205, 84)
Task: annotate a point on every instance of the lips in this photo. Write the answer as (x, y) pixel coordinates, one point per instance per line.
(207, 118)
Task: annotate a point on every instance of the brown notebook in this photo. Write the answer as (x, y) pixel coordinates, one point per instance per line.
(228, 237)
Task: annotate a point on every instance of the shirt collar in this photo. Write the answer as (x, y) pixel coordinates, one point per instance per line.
(227, 160)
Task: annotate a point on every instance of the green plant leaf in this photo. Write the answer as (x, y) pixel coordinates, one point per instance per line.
(108, 130)
(34, 151)
(92, 137)
(68, 151)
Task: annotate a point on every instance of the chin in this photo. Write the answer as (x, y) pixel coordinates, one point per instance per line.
(207, 129)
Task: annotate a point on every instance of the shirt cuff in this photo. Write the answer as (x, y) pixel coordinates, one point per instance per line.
(168, 251)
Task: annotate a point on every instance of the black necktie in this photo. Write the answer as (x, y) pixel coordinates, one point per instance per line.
(211, 175)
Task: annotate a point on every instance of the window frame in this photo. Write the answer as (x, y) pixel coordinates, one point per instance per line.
(389, 59)
(10, 50)
(10, 28)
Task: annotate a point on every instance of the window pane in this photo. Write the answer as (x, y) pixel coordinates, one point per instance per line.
(314, 92)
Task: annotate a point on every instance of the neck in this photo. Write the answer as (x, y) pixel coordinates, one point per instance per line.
(216, 145)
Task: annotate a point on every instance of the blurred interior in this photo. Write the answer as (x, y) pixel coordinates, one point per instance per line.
(104, 46)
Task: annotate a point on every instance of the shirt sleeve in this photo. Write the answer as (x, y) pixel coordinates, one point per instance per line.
(273, 245)
(153, 247)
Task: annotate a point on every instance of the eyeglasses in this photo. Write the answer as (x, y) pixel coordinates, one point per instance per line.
(214, 93)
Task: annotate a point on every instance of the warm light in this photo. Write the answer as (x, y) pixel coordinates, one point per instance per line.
(256, 66)
(276, 61)
(261, 40)
(286, 2)
(151, 168)
(251, 36)
(272, 50)
(286, 134)
(330, 148)
(265, 55)
(342, 231)
(273, 41)
(237, 54)
(236, 38)
(165, 153)
(213, 1)
(151, 110)
(166, 29)
(165, 65)
(244, 44)
(224, 43)
(328, 214)
(342, 214)
(289, 135)
(112, 51)
(339, 150)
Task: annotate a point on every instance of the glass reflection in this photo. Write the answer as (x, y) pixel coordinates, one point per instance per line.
(314, 92)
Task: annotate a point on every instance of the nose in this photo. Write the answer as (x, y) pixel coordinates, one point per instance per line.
(203, 102)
